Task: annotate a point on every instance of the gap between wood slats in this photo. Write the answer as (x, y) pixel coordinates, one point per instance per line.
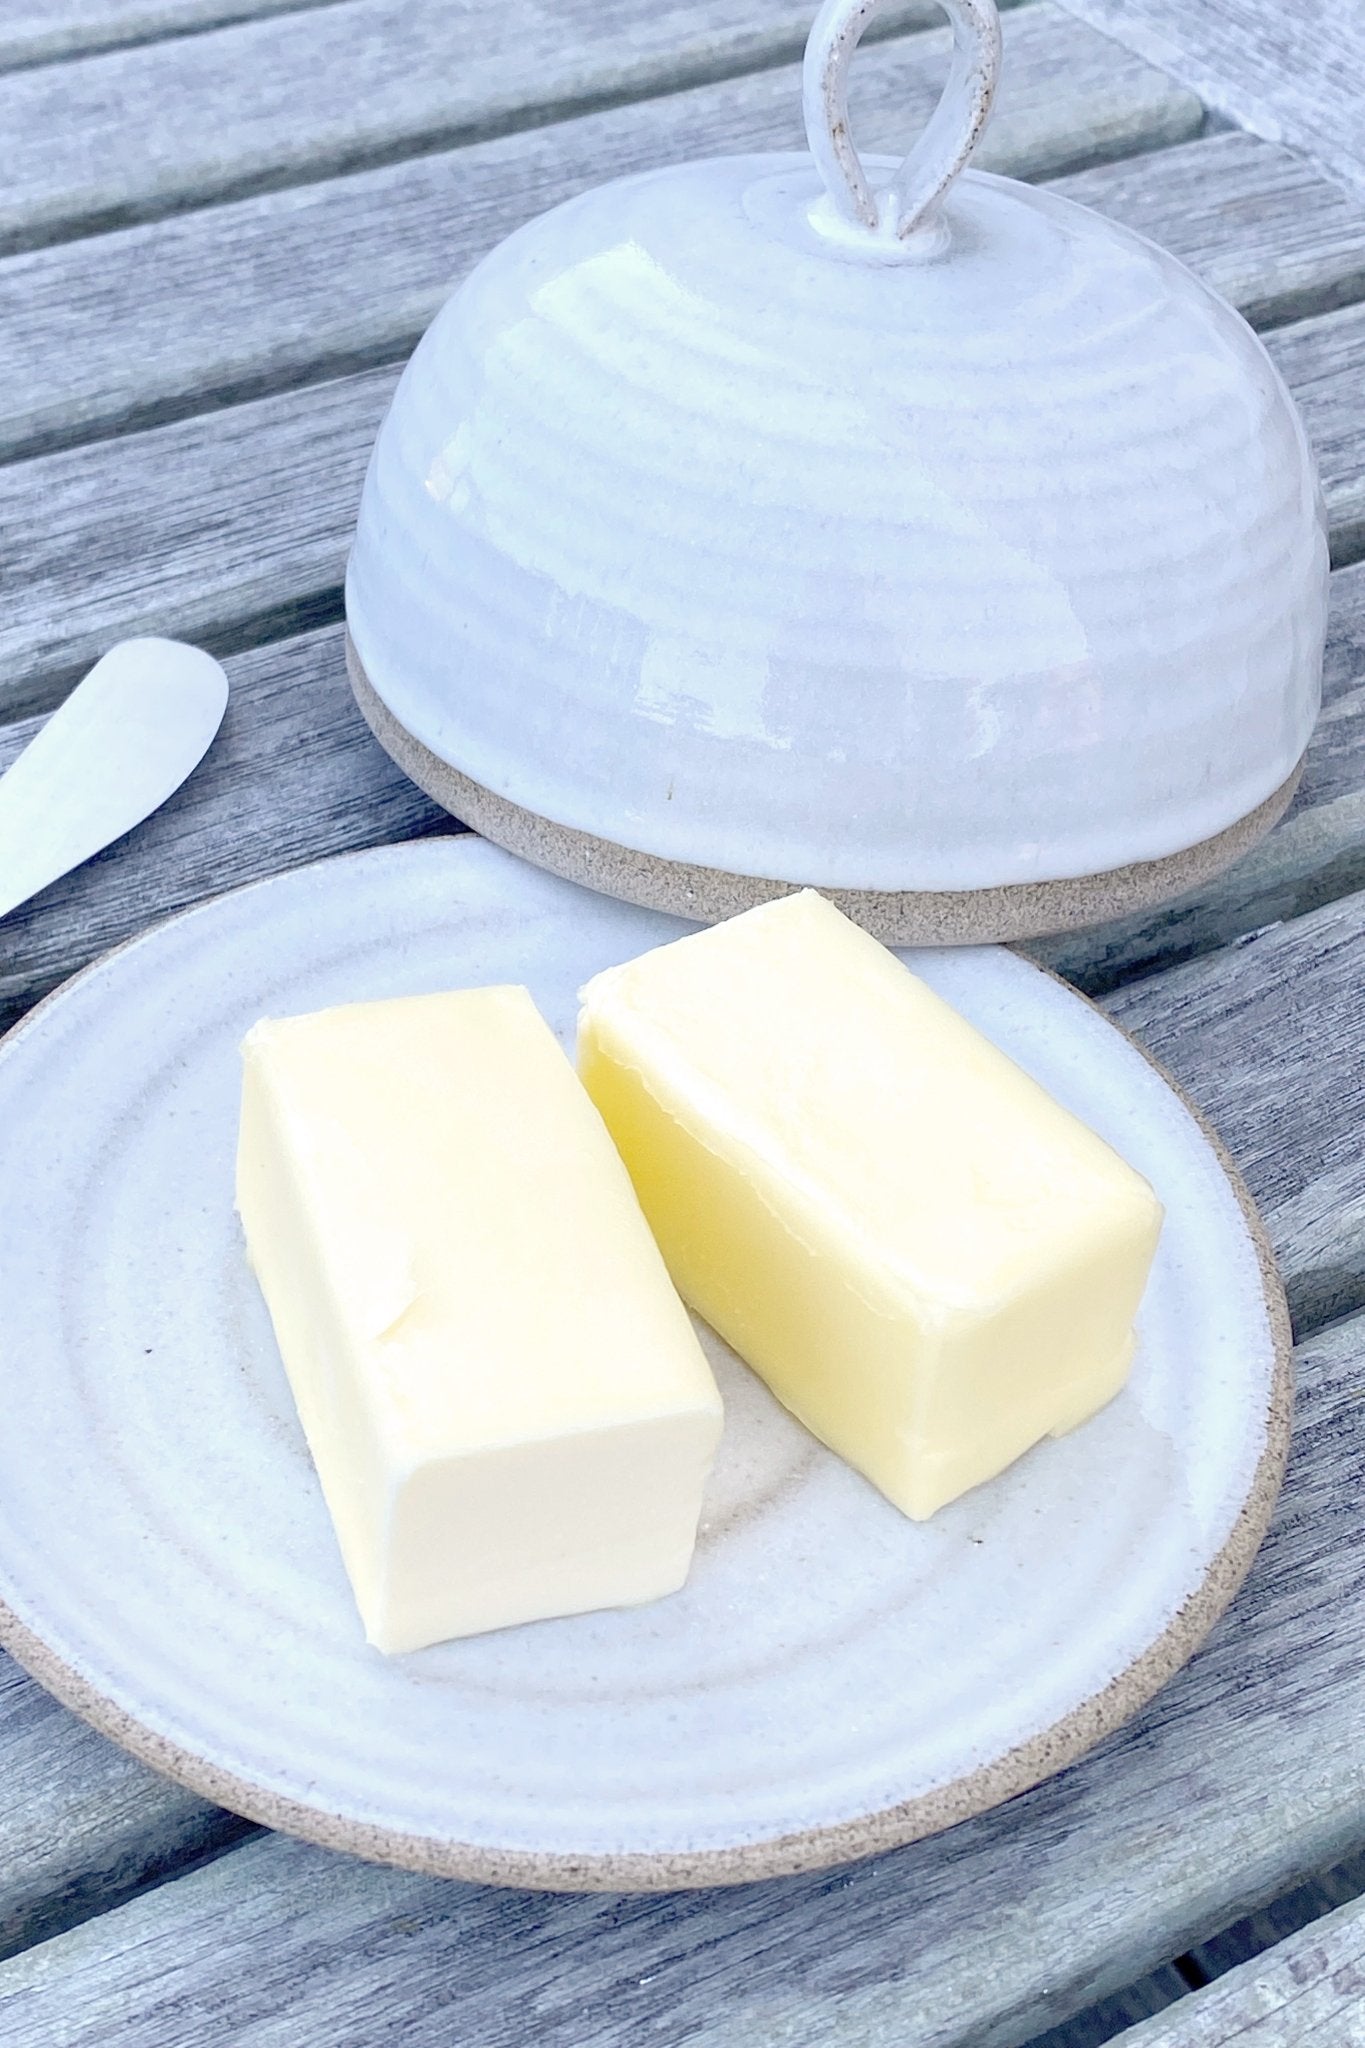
(1308, 1991)
(1109, 2017)
(1258, 1935)
(209, 1832)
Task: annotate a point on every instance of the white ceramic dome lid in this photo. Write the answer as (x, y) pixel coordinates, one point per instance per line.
(943, 537)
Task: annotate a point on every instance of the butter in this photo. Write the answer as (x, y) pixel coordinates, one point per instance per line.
(929, 1261)
(505, 1400)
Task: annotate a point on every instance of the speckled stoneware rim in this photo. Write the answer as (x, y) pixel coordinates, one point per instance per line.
(783, 1855)
(942, 917)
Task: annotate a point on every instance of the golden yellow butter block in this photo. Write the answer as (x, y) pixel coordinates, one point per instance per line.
(929, 1260)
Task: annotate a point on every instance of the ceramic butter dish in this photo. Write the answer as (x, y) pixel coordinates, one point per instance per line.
(907, 532)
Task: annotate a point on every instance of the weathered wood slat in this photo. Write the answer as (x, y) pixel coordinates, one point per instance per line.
(1316, 854)
(41, 31)
(1249, 1767)
(222, 528)
(1289, 72)
(267, 292)
(1295, 1123)
(1323, 362)
(1311, 1989)
(138, 132)
(82, 1826)
(1258, 222)
(970, 1941)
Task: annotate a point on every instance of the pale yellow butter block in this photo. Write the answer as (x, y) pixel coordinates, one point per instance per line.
(929, 1261)
(505, 1400)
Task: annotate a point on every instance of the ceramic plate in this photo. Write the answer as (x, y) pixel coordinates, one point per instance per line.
(833, 1678)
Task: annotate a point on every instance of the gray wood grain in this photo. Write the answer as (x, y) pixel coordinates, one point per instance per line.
(1289, 72)
(137, 132)
(82, 1826)
(234, 524)
(1310, 1989)
(1245, 1773)
(1294, 1127)
(41, 31)
(235, 300)
(228, 528)
(1323, 362)
(1316, 853)
(1256, 221)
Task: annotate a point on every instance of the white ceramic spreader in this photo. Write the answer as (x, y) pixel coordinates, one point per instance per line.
(904, 531)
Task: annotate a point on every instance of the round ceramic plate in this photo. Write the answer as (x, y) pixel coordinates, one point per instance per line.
(833, 1678)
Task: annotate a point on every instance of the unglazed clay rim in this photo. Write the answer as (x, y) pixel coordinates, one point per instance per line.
(1051, 1750)
(939, 917)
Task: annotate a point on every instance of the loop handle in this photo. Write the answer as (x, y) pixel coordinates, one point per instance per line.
(918, 188)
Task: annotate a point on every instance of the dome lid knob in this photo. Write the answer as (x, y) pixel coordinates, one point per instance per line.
(909, 205)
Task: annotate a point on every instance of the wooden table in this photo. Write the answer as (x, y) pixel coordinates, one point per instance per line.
(218, 243)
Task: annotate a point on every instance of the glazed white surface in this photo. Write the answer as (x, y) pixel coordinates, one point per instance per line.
(118, 746)
(828, 557)
(162, 1530)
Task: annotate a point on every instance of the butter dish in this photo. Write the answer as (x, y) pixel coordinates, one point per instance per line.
(834, 1678)
(906, 532)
